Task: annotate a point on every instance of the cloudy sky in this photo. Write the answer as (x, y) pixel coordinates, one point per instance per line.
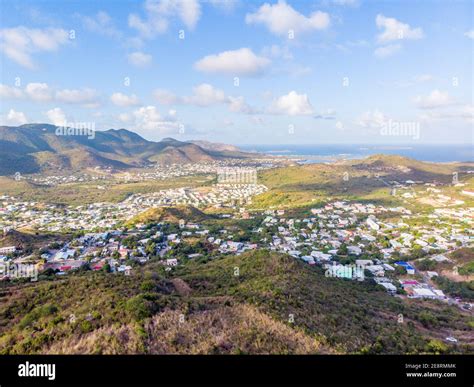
(243, 72)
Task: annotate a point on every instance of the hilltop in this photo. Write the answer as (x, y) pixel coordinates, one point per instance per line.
(170, 215)
(213, 146)
(368, 178)
(275, 305)
(37, 148)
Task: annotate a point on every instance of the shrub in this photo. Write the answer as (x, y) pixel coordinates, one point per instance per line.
(139, 308)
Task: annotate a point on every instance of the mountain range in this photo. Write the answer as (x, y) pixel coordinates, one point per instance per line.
(36, 148)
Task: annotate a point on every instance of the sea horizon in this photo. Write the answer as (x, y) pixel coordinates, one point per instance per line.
(314, 153)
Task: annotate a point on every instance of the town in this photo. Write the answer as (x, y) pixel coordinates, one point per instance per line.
(348, 240)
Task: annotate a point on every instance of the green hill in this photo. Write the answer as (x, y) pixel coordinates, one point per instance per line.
(275, 305)
(37, 147)
(367, 178)
(170, 215)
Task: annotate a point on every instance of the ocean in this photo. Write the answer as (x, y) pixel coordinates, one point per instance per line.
(325, 153)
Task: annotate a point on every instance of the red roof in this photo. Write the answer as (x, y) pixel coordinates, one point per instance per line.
(65, 268)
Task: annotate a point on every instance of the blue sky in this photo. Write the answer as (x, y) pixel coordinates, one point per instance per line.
(243, 72)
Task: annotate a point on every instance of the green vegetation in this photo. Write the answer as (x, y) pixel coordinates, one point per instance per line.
(464, 290)
(86, 193)
(36, 148)
(365, 179)
(169, 215)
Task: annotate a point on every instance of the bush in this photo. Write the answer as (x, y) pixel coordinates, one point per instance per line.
(148, 286)
(86, 326)
(467, 269)
(436, 347)
(37, 313)
(139, 308)
(427, 319)
(426, 265)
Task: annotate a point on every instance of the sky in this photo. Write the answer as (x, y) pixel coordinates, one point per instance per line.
(243, 72)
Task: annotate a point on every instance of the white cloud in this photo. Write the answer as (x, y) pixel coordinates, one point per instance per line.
(461, 112)
(372, 119)
(147, 116)
(281, 17)
(205, 95)
(238, 62)
(158, 13)
(79, 96)
(16, 118)
(395, 30)
(171, 115)
(123, 100)
(238, 105)
(139, 59)
(436, 99)
(386, 51)
(101, 23)
(470, 34)
(20, 43)
(124, 117)
(292, 104)
(39, 92)
(56, 116)
(149, 119)
(10, 92)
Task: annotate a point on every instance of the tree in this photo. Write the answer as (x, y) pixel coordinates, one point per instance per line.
(342, 249)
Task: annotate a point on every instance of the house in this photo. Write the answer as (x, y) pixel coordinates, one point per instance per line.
(354, 250)
(308, 259)
(376, 270)
(363, 262)
(372, 224)
(410, 269)
(171, 262)
(194, 255)
(395, 244)
(422, 293)
(389, 287)
(320, 256)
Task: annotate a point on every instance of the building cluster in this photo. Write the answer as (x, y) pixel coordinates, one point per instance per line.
(50, 217)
